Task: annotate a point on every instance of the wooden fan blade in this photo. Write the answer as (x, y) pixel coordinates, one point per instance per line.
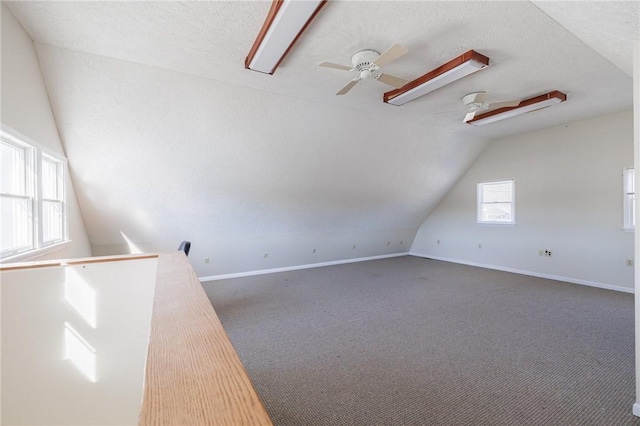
(335, 66)
(506, 104)
(469, 116)
(391, 54)
(348, 87)
(391, 80)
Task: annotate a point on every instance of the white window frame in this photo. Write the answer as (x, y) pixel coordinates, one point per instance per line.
(480, 202)
(34, 184)
(629, 199)
(58, 199)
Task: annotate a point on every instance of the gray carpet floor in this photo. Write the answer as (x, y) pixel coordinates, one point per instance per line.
(413, 341)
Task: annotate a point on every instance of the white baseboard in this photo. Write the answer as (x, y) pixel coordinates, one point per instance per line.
(445, 259)
(636, 409)
(298, 267)
(530, 273)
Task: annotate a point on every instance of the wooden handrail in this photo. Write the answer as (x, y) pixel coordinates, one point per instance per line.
(77, 261)
(193, 376)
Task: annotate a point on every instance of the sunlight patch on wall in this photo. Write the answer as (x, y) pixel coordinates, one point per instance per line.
(79, 352)
(133, 249)
(81, 296)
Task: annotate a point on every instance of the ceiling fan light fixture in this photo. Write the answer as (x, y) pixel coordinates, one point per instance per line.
(285, 22)
(528, 105)
(457, 68)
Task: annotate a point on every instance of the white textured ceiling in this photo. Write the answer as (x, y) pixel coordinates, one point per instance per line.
(607, 27)
(530, 52)
(169, 137)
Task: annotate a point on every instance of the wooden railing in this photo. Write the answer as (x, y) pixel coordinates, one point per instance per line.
(193, 375)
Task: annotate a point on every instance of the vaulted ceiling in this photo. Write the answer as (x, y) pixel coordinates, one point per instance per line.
(157, 112)
(534, 47)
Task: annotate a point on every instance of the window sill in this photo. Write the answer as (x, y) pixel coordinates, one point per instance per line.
(32, 254)
(498, 224)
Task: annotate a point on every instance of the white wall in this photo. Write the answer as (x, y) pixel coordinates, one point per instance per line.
(636, 146)
(108, 306)
(568, 200)
(26, 109)
(161, 156)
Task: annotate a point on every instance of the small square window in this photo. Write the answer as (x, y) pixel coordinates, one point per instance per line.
(496, 202)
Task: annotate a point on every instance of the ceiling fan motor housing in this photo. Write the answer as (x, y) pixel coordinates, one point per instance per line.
(470, 101)
(362, 59)
(362, 62)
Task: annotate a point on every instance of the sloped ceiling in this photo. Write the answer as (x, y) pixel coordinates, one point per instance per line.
(170, 138)
(609, 28)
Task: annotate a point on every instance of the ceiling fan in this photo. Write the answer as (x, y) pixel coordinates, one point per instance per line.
(367, 63)
(476, 102)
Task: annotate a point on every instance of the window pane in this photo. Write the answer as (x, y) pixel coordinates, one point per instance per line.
(629, 199)
(16, 225)
(32, 195)
(496, 192)
(52, 225)
(630, 181)
(12, 178)
(50, 180)
(496, 212)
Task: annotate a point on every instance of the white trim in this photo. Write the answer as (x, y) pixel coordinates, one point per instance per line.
(445, 259)
(480, 202)
(530, 273)
(21, 139)
(32, 254)
(37, 153)
(636, 243)
(628, 203)
(298, 267)
(498, 224)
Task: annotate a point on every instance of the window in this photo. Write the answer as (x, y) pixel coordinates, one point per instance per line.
(629, 212)
(32, 197)
(496, 202)
(52, 201)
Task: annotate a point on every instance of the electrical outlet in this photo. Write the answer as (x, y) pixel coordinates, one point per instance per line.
(629, 262)
(547, 253)
(206, 260)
